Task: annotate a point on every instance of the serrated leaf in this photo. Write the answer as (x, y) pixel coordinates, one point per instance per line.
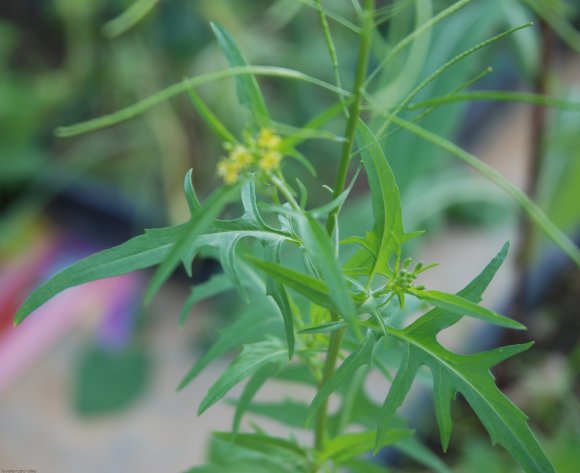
(361, 356)
(246, 329)
(140, 252)
(253, 358)
(214, 286)
(189, 233)
(459, 305)
(468, 374)
(247, 87)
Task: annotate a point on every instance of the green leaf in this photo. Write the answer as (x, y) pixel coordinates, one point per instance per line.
(388, 233)
(533, 211)
(138, 253)
(414, 449)
(214, 286)
(250, 390)
(253, 358)
(287, 412)
(467, 374)
(212, 121)
(280, 296)
(361, 356)
(278, 454)
(321, 252)
(246, 329)
(459, 305)
(247, 87)
(313, 289)
(348, 446)
(190, 194)
(226, 243)
(325, 328)
(191, 230)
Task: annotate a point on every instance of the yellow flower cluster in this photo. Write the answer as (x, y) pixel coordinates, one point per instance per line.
(261, 152)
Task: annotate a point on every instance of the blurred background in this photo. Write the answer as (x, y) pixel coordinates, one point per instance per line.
(88, 382)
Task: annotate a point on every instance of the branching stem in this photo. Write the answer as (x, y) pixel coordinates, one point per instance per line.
(350, 132)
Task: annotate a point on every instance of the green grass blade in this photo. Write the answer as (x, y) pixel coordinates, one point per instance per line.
(248, 90)
(532, 210)
(210, 118)
(176, 89)
(499, 96)
(129, 18)
(414, 35)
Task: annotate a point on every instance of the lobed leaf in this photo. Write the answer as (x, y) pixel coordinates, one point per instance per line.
(468, 374)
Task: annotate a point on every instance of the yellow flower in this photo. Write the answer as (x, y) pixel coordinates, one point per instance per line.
(270, 160)
(268, 140)
(229, 171)
(240, 154)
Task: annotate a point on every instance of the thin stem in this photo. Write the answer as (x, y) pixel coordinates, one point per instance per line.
(538, 131)
(354, 110)
(354, 113)
(281, 186)
(331, 48)
(328, 370)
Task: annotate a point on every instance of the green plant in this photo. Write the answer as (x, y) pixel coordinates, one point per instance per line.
(342, 302)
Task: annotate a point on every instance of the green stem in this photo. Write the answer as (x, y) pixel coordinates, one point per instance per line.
(280, 185)
(353, 116)
(354, 109)
(331, 48)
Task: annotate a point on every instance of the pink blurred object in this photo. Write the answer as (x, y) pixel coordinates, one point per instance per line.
(108, 305)
(22, 346)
